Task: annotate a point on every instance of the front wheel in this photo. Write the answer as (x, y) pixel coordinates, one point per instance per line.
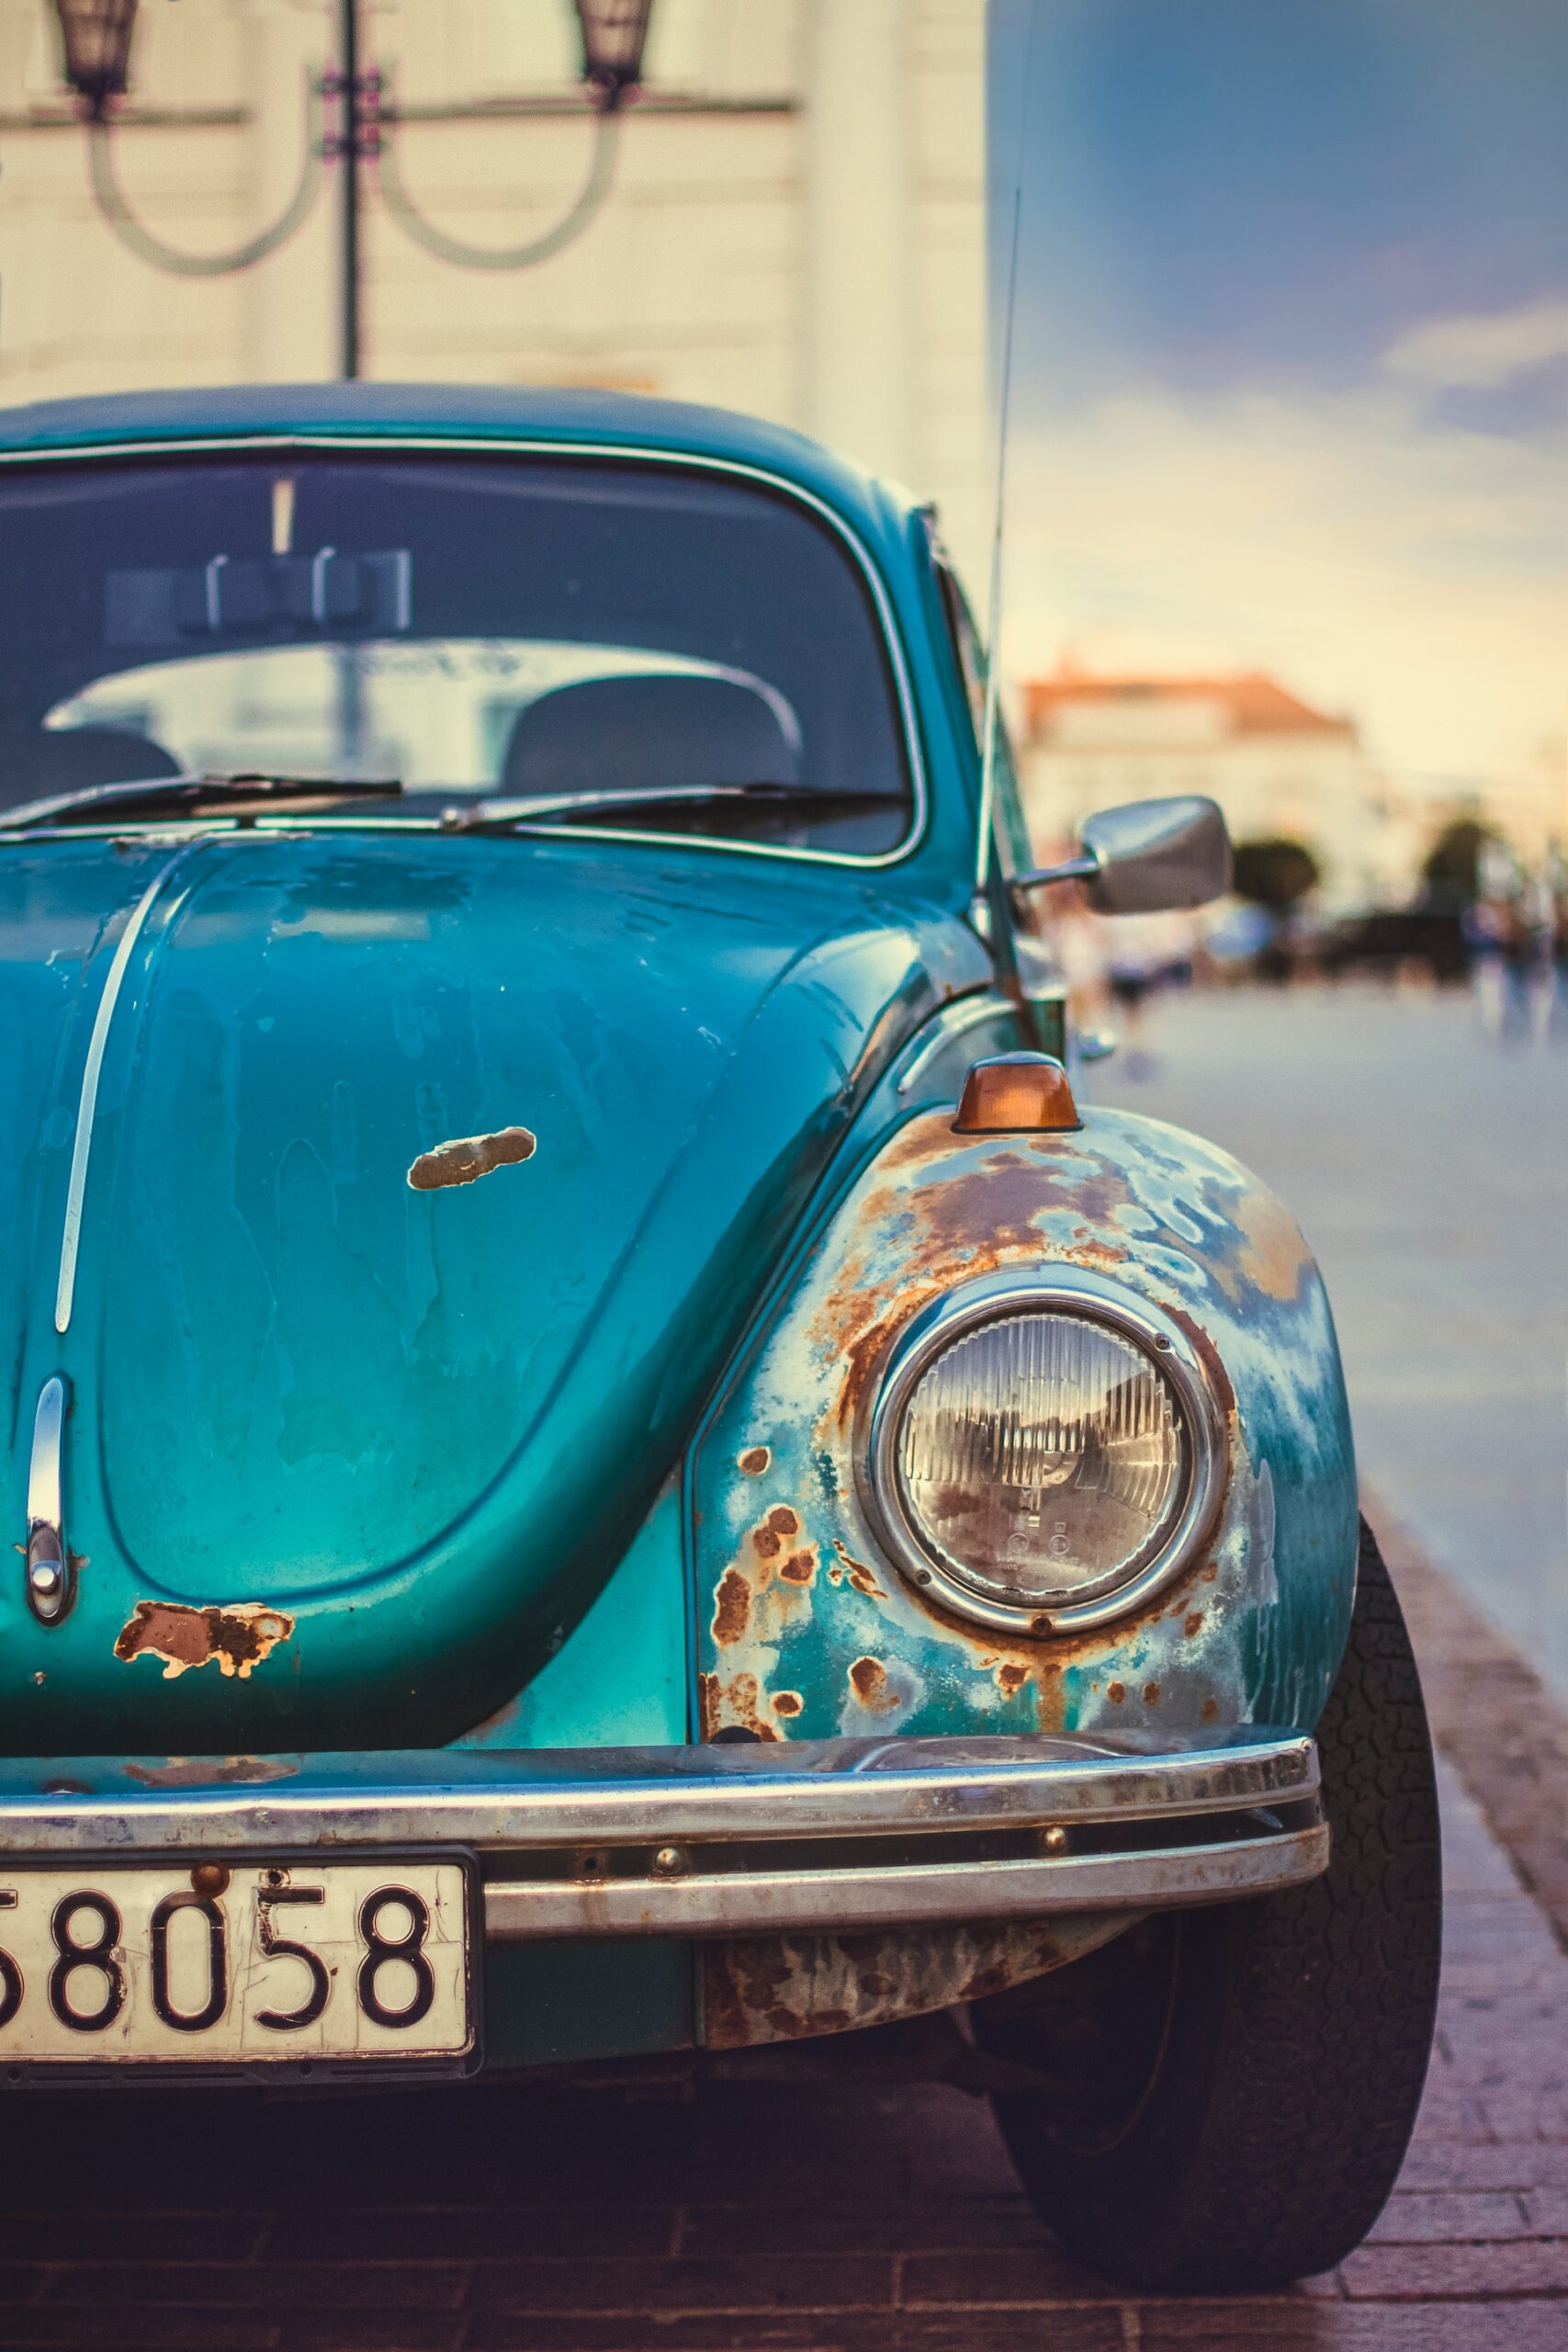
(1234, 2088)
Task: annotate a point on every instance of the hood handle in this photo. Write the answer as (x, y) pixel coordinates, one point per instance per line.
(51, 1573)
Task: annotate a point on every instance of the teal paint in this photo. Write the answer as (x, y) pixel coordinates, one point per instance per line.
(425, 1425)
(620, 1677)
(560, 2005)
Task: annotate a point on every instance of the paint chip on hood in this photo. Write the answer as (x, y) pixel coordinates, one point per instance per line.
(239, 1635)
(470, 1157)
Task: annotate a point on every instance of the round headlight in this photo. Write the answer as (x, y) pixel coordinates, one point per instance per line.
(1044, 1450)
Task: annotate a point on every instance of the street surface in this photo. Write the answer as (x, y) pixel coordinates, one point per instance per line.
(1428, 1167)
(775, 2217)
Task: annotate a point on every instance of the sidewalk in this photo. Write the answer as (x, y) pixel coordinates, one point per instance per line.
(811, 2220)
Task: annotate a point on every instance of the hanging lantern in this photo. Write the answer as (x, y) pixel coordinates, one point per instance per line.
(614, 33)
(95, 37)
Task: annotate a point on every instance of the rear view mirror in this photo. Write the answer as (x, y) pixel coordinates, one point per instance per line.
(1148, 857)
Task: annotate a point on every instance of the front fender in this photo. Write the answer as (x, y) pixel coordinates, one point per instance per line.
(805, 1628)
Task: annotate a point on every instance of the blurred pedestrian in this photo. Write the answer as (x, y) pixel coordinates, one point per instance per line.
(1519, 954)
(1142, 952)
(1079, 939)
(1484, 925)
(1553, 1019)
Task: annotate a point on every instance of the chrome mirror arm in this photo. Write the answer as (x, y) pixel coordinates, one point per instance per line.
(1073, 869)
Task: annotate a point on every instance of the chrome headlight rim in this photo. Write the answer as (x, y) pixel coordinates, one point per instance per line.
(1094, 1298)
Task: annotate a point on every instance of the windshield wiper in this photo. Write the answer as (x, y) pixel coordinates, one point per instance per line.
(179, 796)
(505, 815)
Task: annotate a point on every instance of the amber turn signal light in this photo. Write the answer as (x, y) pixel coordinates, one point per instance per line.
(1017, 1094)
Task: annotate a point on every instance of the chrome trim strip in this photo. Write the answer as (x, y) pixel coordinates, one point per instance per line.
(639, 1796)
(87, 1108)
(750, 1903)
(967, 1017)
(616, 452)
(1076, 1291)
(51, 1580)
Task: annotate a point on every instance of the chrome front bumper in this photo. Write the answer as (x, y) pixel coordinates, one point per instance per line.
(842, 1834)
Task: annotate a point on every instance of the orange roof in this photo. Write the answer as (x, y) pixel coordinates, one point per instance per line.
(1257, 705)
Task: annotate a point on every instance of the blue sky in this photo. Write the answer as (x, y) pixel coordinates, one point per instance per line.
(1291, 358)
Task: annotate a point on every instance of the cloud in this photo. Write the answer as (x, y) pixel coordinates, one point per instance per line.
(1485, 349)
(1409, 572)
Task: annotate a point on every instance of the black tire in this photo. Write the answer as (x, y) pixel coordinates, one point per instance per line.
(1237, 2086)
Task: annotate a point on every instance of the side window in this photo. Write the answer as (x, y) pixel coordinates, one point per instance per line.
(1013, 832)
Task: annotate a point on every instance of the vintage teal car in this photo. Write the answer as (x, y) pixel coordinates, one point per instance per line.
(606, 1459)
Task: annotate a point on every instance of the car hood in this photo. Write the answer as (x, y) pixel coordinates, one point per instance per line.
(417, 1425)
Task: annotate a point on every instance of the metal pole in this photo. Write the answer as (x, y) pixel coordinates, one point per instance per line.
(348, 159)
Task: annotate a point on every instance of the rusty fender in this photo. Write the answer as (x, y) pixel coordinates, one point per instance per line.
(806, 1629)
(785, 1988)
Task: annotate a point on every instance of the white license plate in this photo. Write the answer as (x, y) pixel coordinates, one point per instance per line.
(235, 1963)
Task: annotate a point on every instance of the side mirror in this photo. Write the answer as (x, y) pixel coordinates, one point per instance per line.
(1147, 856)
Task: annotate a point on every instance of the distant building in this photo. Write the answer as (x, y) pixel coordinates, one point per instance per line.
(795, 225)
(1277, 767)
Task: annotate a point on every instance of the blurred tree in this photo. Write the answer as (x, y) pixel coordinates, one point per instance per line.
(1451, 872)
(1274, 872)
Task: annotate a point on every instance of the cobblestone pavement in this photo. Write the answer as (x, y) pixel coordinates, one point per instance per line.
(793, 2217)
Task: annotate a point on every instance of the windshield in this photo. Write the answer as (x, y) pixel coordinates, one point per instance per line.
(475, 627)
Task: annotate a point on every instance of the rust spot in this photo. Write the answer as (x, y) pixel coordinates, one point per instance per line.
(1194, 1624)
(734, 1705)
(780, 1988)
(1117, 1692)
(865, 1352)
(1210, 1710)
(868, 1678)
(467, 1157)
(732, 1607)
(861, 1576)
(754, 1461)
(238, 1636)
(708, 1716)
(801, 1566)
(1011, 1678)
(787, 1703)
(1275, 1255)
(1151, 1693)
(198, 1772)
(768, 1540)
(1213, 1363)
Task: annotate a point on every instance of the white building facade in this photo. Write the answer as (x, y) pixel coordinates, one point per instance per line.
(795, 224)
(1277, 768)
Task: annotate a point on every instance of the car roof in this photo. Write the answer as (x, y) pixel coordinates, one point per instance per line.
(460, 413)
